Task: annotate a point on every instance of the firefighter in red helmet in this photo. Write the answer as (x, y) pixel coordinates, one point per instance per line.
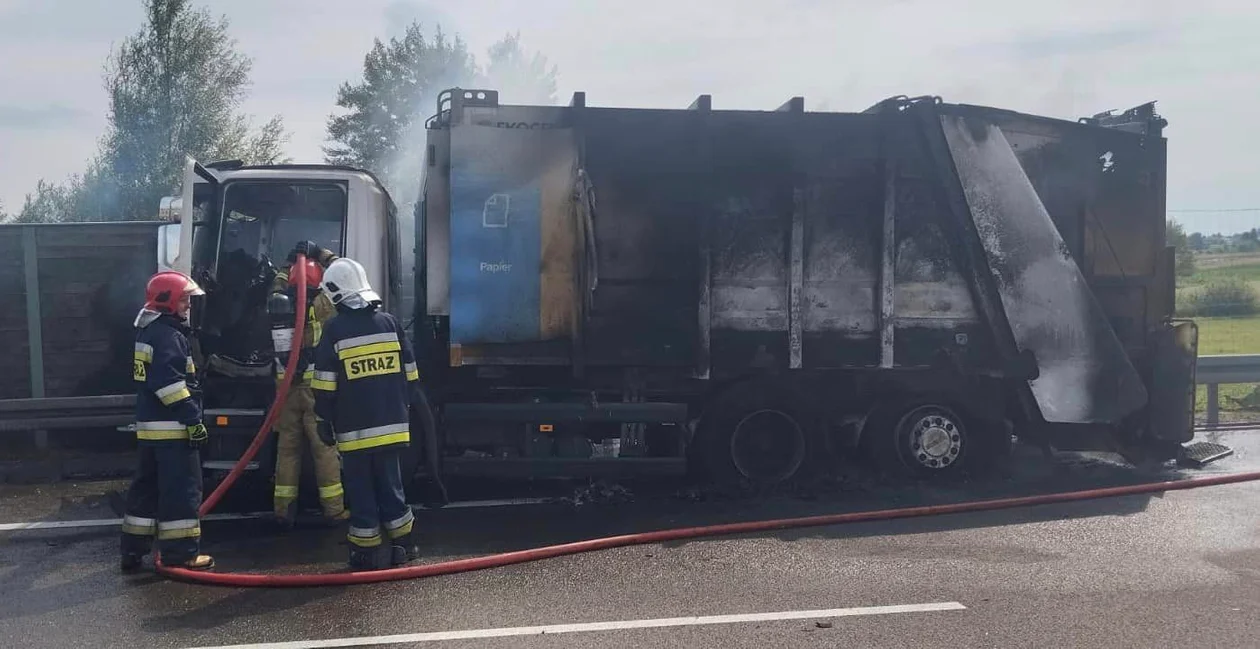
(166, 491)
(296, 428)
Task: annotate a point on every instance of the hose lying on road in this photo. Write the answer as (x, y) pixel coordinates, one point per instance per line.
(662, 536)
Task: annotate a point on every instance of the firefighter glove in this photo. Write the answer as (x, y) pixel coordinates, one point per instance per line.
(308, 248)
(325, 430)
(197, 435)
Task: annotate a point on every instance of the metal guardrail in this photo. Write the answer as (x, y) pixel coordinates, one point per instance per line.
(68, 412)
(1214, 371)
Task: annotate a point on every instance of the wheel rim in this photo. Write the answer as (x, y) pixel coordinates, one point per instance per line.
(936, 439)
(767, 446)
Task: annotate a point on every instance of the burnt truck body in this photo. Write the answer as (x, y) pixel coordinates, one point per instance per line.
(772, 288)
(749, 295)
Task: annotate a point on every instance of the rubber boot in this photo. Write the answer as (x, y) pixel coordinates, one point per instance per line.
(284, 524)
(377, 558)
(335, 521)
(199, 562)
(404, 550)
(131, 563)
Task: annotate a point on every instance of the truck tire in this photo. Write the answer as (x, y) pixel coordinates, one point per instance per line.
(929, 439)
(758, 436)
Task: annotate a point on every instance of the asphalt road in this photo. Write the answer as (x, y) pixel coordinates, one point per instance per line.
(1181, 569)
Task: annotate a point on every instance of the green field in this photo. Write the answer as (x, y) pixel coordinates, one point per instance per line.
(1231, 335)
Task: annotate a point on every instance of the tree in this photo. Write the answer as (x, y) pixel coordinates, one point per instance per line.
(1197, 242)
(90, 196)
(385, 112)
(381, 124)
(1184, 257)
(174, 89)
(519, 77)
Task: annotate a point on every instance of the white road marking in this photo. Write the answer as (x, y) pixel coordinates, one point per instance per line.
(114, 522)
(587, 627)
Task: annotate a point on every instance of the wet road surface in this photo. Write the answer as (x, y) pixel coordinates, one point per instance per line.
(1179, 569)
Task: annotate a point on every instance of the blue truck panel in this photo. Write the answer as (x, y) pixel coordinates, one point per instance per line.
(495, 257)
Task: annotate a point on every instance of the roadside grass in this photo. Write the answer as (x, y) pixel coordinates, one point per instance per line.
(1226, 335)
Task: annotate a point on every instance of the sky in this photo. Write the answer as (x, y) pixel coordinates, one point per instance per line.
(1200, 60)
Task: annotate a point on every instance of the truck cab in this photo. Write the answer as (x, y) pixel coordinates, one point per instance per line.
(237, 224)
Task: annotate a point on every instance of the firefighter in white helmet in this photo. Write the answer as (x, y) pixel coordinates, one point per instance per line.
(365, 382)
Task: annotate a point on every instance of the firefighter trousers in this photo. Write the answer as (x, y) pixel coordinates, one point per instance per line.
(296, 429)
(378, 504)
(163, 501)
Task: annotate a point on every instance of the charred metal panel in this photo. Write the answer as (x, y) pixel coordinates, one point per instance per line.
(750, 259)
(1173, 384)
(887, 264)
(841, 271)
(1085, 375)
(839, 158)
(934, 312)
(1104, 189)
(648, 169)
(437, 225)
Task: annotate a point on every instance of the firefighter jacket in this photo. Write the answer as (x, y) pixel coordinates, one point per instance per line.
(319, 309)
(281, 281)
(167, 394)
(365, 375)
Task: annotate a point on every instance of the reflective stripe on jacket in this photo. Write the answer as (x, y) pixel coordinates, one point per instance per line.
(364, 373)
(167, 394)
(319, 311)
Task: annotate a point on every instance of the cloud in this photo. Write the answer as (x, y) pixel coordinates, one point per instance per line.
(1040, 46)
(45, 117)
(1066, 59)
(398, 14)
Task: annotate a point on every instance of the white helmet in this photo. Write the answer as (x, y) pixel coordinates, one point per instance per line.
(346, 283)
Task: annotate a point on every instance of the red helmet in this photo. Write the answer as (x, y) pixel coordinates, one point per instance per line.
(165, 290)
(314, 273)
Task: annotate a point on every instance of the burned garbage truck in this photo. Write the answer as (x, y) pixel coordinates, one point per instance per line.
(748, 295)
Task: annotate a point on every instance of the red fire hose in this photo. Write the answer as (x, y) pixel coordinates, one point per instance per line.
(642, 538)
(662, 536)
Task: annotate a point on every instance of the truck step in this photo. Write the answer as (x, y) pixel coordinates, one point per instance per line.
(1200, 454)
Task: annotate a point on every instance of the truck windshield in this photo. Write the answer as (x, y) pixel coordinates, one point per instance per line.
(266, 218)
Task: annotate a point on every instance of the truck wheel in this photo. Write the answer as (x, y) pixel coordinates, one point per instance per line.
(924, 440)
(758, 438)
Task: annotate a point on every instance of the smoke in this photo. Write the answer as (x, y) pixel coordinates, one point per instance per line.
(403, 169)
(520, 76)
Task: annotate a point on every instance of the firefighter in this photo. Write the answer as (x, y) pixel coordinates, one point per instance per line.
(365, 381)
(296, 425)
(166, 492)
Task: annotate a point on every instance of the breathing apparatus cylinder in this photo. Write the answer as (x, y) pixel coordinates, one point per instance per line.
(281, 311)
